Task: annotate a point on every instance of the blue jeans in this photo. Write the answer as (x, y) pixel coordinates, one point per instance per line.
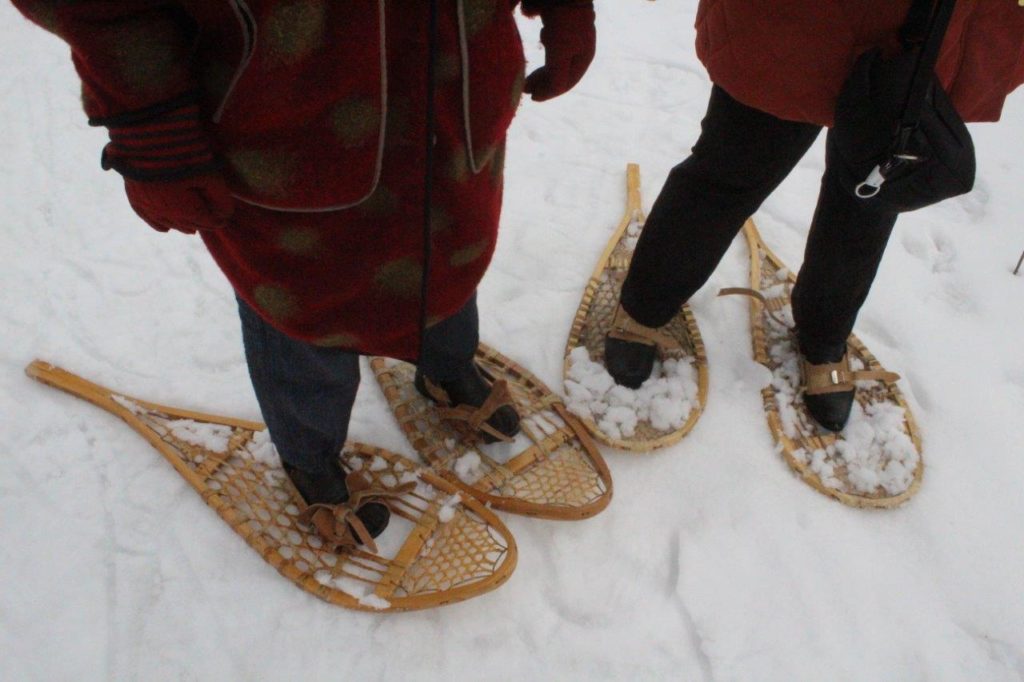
(306, 392)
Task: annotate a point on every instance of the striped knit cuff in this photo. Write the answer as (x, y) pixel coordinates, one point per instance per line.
(169, 146)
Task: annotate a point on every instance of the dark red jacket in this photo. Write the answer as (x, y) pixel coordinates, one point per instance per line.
(790, 57)
(291, 90)
(316, 109)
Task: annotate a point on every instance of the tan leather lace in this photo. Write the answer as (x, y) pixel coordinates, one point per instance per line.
(829, 377)
(625, 328)
(835, 377)
(339, 524)
(753, 293)
(475, 417)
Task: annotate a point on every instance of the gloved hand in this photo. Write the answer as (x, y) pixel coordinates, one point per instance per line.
(569, 40)
(170, 175)
(189, 204)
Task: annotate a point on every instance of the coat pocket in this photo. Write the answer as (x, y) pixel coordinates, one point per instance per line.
(302, 127)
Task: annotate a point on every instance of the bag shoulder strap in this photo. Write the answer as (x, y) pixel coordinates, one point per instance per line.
(923, 31)
(915, 27)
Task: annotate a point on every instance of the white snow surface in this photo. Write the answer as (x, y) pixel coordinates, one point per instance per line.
(712, 563)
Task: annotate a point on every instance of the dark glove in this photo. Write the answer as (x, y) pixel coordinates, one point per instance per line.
(170, 175)
(569, 40)
(189, 204)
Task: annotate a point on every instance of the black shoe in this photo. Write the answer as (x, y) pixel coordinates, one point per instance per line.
(830, 410)
(331, 488)
(629, 362)
(470, 387)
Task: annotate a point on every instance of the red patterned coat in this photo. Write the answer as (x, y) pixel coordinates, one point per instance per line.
(791, 57)
(316, 110)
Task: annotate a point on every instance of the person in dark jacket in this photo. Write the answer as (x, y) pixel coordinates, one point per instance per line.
(777, 69)
(291, 135)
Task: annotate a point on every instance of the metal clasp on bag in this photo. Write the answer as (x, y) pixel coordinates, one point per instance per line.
(872, 184)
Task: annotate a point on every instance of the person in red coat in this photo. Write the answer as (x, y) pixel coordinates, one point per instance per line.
(777, 68)
(291, 135)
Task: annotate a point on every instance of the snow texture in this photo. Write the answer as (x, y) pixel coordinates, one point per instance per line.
(468, 468)
(664, 401)
(213, 437)
(128, 404)
(713, 562)
(874, 447)
(447, 511)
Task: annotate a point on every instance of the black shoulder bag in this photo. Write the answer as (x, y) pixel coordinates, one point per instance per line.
(897, 141)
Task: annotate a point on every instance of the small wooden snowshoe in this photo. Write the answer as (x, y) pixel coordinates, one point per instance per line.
(875, 461)
(440, 546)
(594, 319)
(551, 469)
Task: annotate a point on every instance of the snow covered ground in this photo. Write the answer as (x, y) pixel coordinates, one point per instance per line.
(713, 561)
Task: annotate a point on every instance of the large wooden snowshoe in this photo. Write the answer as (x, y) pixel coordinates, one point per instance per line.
(605, 409)
(440, 546)
(875, 461)
(551, 469)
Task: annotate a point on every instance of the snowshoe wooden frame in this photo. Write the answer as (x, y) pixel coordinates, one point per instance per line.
(601, 297)
(456, 549)
(560, 476)
(762, 259)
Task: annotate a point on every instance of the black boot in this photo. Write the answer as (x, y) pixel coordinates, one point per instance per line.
(330, 488)
(629, 362)
(469, 387)
(630, 349)
(830, 410)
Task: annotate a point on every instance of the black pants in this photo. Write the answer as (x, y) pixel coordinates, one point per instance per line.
(741, 157)
(306, 392)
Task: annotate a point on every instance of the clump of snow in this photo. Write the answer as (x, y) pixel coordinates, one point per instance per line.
(468, 468)
(664, 401)
(447, 511)
(425, 490)
(262, 449)
(874, 450)
(375, 602)
(128, 404)
(212, 437)
(362, 591)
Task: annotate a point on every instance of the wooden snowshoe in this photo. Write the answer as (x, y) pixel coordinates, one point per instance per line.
(551, 469)
(594, 320)
(440, 546)
(875, 461)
